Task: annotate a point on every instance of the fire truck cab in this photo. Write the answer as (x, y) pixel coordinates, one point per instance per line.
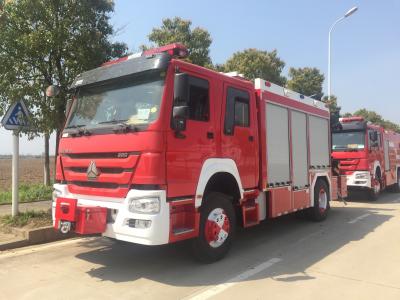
(367, 154)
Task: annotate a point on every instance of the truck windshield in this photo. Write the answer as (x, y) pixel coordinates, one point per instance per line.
(348, 141)
(133, 102)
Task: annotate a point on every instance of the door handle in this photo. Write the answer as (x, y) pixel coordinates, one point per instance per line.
(210, 135)
(251, 138)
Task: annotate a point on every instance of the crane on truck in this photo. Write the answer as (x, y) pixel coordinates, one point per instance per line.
(156, 150)
(368, 155)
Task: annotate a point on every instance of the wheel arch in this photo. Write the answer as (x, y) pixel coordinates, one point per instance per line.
(320, 176)
(213, 172)
(377, 166)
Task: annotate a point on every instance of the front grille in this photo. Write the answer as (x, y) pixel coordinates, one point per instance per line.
(101, 185)
(102, 170)
(114, 172)
(101, 155)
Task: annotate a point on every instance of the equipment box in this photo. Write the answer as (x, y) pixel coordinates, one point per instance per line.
(90, 220)
(65, 209)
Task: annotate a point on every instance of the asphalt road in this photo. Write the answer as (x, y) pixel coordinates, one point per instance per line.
(354, 254)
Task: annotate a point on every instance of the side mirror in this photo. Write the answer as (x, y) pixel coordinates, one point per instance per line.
(180, 112)
(181, 89)
(371, 136)
(52, 90)
(179, 116)
(375, 136)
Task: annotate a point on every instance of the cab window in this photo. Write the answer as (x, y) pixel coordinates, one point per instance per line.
(237, 111)
(199, 100)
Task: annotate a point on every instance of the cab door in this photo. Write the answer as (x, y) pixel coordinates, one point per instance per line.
(188, 149)
(375, 152)
(239, 134)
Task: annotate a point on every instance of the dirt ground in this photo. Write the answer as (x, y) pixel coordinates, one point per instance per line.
(30, 170)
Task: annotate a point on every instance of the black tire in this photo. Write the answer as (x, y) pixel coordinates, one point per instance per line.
(396, 186)
(319, 211)
(202, 245)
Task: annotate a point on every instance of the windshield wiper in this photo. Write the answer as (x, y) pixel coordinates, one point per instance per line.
(75, 126)
(346, 149)
(113, 122)
(120, 126)
(79, 130)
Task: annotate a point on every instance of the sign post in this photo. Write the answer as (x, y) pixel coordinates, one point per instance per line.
(16, 119)
(15, 174)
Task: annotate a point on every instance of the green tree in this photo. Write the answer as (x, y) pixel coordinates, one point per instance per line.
(369, 115)
(254, 63)
(376, 118)
(306, 81)
(46, 42)
(178, 30)
(347, 115)
(334, 109)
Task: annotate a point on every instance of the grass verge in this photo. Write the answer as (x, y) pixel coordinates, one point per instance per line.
(31, 219)
(28, 193)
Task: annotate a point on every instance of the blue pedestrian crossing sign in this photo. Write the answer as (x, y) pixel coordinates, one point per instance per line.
(17, 117)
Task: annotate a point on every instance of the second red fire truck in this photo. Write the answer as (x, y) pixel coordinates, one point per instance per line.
(156, 150)
(368, 155)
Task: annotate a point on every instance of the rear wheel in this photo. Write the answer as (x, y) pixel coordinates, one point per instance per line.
(319, 211)
(217, 228)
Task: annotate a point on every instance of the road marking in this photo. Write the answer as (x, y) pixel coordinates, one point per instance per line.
(358, 218)
(207, 294)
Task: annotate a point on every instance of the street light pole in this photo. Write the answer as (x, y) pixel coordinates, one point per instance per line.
(347, 14)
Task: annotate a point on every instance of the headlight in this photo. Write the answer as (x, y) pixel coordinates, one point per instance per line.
(56, 194)
(362, 176)
(145, 205)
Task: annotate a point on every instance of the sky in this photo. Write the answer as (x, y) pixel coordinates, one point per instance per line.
(365, 46)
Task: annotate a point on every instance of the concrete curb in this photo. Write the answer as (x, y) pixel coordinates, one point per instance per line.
(28, 237)
(25, 202)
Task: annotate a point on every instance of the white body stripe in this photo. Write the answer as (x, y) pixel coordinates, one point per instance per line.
(261, 84)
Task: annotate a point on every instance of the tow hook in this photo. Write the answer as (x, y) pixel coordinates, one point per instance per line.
(65, 227)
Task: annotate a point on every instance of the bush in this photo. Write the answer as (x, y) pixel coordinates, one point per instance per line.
(28, 193)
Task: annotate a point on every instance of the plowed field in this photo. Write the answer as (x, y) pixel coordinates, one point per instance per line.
(30, 171)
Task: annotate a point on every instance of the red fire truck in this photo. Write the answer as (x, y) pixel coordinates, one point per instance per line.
(367, 154)
(156, 150)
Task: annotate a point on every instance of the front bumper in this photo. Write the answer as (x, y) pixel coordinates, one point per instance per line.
(118, 226)
(359, 179)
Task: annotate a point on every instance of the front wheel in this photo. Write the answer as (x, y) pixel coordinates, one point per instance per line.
(319, 211)
(217, 228)
(374, 192)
